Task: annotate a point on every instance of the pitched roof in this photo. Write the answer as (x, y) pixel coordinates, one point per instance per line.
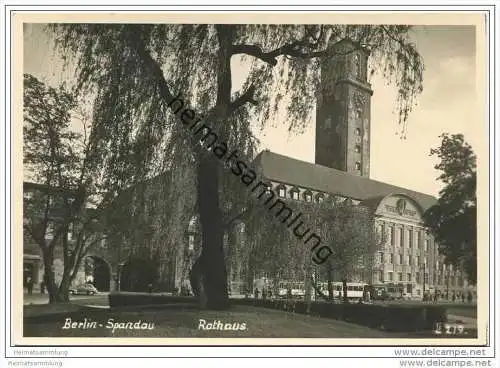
(321, 178)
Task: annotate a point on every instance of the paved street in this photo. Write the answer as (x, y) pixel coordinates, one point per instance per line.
(100, 299)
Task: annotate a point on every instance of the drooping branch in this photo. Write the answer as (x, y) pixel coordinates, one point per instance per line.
(149, 63)
(246, 97)
(296, 49)
(291, 49)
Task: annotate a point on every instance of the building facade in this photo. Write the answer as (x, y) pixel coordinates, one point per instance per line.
(409, 257)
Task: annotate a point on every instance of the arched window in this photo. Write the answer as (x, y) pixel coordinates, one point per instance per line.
(320, 197)
(294, 193)
(358, 165)
(357, 131)
(356, 66)
(308, 196)
(281, 191)
(357, 148)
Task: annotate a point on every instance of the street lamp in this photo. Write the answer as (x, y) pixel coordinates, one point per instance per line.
(422, 267)
(119, 276)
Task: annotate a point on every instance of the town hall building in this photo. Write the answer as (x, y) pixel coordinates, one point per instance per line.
(410, 257)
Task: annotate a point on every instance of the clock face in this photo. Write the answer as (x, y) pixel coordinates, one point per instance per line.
(358, 139)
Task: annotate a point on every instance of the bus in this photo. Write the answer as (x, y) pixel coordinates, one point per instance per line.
(355, 290)
(296, 288)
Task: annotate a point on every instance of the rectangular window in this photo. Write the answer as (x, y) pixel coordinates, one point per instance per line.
(419, 239)
(391, 278)
(426, 278)
(391, 258)
(409, 260)
(381, 257)
(381, 276)
(295, 195)
(281, 192)
(391, 234)
(408, 277)
(400, 276)
(417, 277)
(410, 238)
(191, 242)
(49, 233)
(401, 238)
(70, 231)
(400, 259)
(426, 245)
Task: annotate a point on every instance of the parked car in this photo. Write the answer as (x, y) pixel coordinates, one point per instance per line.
(85, 289)
(406, 296)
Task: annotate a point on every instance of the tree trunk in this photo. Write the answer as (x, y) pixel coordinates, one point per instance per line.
(212, 267)
(63, 291)
(331, 296)
(307, 285)
(344, 289)
(49, 277)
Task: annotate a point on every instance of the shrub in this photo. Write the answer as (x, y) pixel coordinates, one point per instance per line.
(401, 318)
(123, 299)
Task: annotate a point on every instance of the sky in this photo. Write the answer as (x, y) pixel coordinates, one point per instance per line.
(447, 105)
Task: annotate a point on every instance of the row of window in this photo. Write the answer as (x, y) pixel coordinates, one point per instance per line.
(390, 277)
(295, 194)
(439, 280)
(409, 259)
(397, 237)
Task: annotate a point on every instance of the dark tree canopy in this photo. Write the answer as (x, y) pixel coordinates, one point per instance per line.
(452, 220)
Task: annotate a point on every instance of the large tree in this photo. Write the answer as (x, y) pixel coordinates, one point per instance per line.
(62, 214)
(452, 220)
(349, 230)
(135, 71)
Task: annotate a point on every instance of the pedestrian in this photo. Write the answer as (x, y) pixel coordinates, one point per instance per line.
(435, 296)
(29, 284)
(453, 297)
(256, 293)
(463, 297)
(42, 288)
(469, 297)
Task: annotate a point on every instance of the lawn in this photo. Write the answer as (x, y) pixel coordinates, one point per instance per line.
(463, 310)
(183, 321)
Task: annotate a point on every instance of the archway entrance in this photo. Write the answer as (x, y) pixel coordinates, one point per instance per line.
(98, 272)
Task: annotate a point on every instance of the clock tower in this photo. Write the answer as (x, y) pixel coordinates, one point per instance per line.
(343, 110)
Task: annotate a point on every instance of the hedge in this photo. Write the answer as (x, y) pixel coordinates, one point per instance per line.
(400, 318)
(122, 299)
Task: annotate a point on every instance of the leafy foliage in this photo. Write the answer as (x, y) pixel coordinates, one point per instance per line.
(133, 71)
(57, 159)
(349, 230)
(452, 220)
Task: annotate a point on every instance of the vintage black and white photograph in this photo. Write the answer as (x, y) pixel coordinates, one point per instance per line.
(252, 178)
